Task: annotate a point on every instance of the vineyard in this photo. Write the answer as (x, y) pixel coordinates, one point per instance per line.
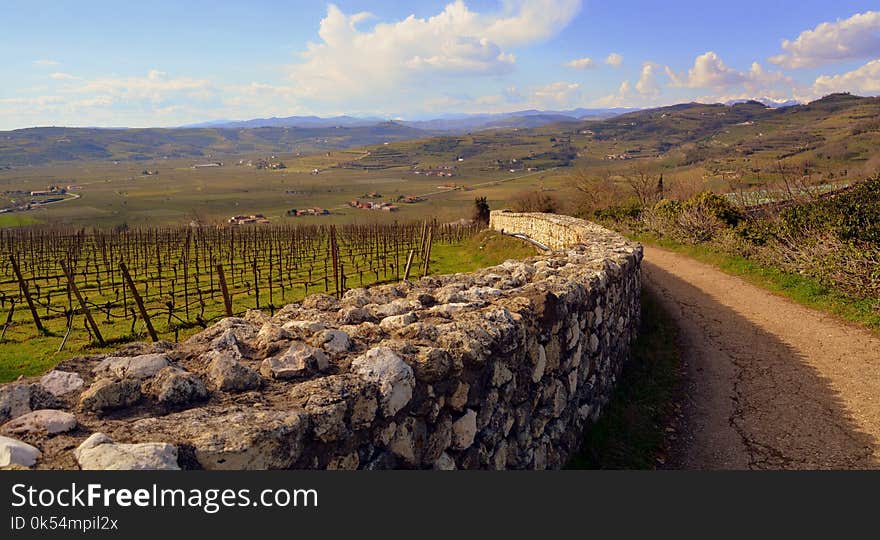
(106, 287)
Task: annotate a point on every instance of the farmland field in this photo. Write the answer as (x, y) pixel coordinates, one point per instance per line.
(184, 277)
(115, 193)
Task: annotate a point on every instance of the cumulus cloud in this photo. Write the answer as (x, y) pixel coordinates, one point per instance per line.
(855, 38)
(581, 63)
(864, 80)
(647, 84)
(621, 98)
(614, 59)
(711, 72)
(351, 62)
(708, 71)
(45, 62)
(646, 91)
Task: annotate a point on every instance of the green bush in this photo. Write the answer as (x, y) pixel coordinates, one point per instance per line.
(716, 205)
(852, 217)
(668, 208)
(621, 212)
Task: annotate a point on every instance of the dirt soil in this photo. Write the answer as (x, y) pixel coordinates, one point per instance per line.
(770, 384)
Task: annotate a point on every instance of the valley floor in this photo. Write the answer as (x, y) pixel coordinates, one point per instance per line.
(770, 384)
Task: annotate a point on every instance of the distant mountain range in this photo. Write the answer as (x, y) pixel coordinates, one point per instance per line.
(762, 127)
(292, 121)
(449, 122)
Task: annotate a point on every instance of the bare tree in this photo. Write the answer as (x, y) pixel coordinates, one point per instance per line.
(642, 180)
(794, 186)
(595, 190)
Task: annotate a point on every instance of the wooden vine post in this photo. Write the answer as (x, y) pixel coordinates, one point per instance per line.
(8, 319)
(429, 242)
(227, 301)
(409, 260)
(82, 303)
(140, 303)
(27, 295)
(335, 256)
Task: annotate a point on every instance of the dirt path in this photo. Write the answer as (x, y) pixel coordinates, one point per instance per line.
(771, 384)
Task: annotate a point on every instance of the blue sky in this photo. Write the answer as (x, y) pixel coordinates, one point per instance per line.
(166, 63)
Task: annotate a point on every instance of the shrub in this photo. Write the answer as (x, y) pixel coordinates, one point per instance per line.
(668, 208)
(535, 201)
(621, 212)
(696, 225)
(716, 205)
(853, 216)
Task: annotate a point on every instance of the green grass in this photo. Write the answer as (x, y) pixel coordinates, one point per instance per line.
(804, 290)
(487, 248)
(631, 434)
(16, 220)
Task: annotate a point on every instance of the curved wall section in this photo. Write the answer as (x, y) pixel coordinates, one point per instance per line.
(500, 368)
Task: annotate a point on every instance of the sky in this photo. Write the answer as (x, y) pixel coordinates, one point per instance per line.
(173, 62)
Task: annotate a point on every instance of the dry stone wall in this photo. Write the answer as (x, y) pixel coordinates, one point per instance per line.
(500, 368)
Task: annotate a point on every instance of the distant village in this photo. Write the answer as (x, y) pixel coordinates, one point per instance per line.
(373, 205)
(32, 199)
(442, 171)
(313, 211)
(254, 219)
(270, 163)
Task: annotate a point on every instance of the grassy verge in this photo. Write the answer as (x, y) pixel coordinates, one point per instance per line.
(801, 289)
(632, 432)
(487, 248)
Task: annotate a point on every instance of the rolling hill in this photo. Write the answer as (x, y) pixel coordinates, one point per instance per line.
(836, 128)
(36, 146)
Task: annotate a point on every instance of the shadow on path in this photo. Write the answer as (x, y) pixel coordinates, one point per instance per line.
(754, 402)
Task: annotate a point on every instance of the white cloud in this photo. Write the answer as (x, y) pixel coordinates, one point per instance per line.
(621, 98)
(150, 100)
(851, 39)
(614, 59)
(581, 63)
(45, 62)
(553, 95)
(157, 87)
(366, 65)
(708, 71)
(864, 80)
(728, 84)
(58, 76)
(645, 92)
(36, 101)
(647, 84)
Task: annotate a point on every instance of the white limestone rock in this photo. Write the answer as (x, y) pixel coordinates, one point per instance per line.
(394, 377)
(134, 367)
(228, 374)
(396, 322)
(15, 452)
(43, 421)
(299, 360)
(464, 430)
(100, 453)
(60, 383)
